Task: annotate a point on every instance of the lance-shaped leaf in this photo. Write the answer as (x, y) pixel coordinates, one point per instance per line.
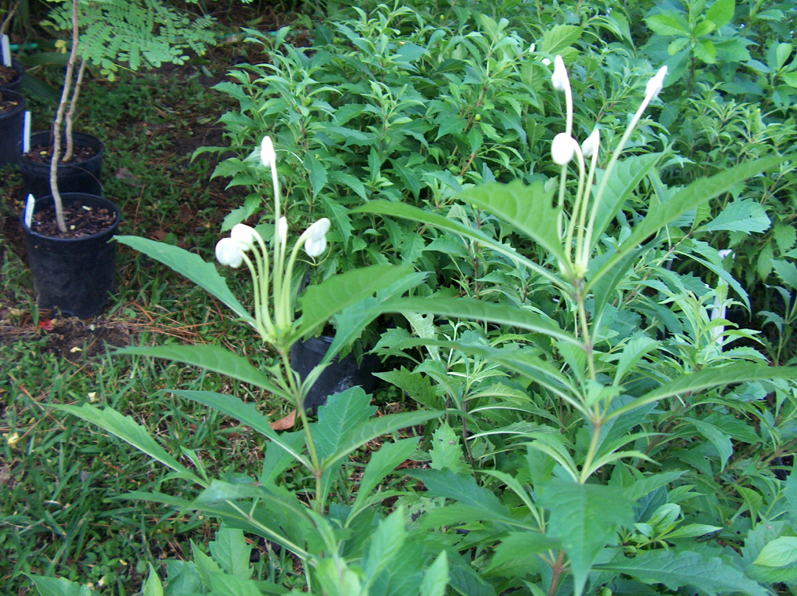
(663, 214)
(438, 221)
(191, 266)
(477, 310)
(246, 413)
(737, 372)
(213, 358)
(585, 517)
(678, 569)
(323, 300)
(129, 431)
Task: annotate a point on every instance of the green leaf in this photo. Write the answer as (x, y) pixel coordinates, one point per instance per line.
(129, 431)
(213, 358)
(191, 266)
(246, 414)
(706, 51)
(338, 417)
(231, 552)
(445, 483)
(585, 517)
(786, 271)
(415, 385)
(59, 586)
(223, 584)
(433, 219)
(782, 53)
(519, 545)
(385, 544)
(318, 173)
(669, 24)
(663, 214)
(478, 310)
(778, 553)
(323, 300)
(446, 450)
(528, 208)
(678, 569)
(382, 463)
(721, 12)
(737, 372)
(153, 586)
(746, 215)
(435, 579)
(785, 236)
(559, 38)
(716, 437)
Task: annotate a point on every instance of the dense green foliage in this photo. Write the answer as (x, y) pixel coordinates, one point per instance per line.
(590, 411)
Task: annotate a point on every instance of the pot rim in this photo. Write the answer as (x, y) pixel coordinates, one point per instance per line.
(20, 107)
(66, 197)
(75, 136)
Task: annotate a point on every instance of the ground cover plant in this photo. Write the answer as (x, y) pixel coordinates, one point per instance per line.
(596, 422)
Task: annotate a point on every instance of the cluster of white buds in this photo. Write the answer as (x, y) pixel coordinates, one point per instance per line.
(246, 245)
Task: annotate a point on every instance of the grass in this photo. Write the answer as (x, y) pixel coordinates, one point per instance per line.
(62, 483)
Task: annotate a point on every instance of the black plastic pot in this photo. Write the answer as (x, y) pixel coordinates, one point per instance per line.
(337, 377)
(11, 124)
(76, 275)
(76, 176)
(16, 83)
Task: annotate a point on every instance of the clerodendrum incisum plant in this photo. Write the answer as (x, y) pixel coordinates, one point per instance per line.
(581, 491)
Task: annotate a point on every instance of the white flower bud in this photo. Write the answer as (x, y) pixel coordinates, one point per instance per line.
(244, 235)
(282, 230)
(563, 148)
(268, 157)
(559, 79)
(316, 242)
(229, 252)
(592, 144)
(656, 84)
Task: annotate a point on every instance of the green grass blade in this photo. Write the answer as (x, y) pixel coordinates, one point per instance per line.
(213, 358)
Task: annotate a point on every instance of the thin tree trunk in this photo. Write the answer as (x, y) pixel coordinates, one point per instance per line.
(70, 144)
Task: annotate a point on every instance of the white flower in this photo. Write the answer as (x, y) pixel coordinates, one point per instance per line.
(244, 235)
(268, 157)
(546, 62)
(532, 48)
(230, 252)
(592, 144)
(656, 84)
(316, 242)
(559, 79)
(563, 148)
(282, 230)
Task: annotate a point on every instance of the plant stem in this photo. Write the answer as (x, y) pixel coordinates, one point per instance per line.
(70, 69)
(558, 568)
(70, 144)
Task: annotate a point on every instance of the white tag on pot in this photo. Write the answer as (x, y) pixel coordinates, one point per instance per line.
(26, 134)
(29, 206)
(6, 52)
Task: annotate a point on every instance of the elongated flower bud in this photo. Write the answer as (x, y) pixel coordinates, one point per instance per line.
(243, 234)
(655, 85)
(592, 144)
(282, 230)
(559, 79)
(563, 148)
(268, 157)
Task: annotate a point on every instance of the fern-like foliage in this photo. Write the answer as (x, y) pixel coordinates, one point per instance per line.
(133, 32)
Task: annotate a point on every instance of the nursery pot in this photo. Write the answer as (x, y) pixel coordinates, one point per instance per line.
(340, 375)
(12, 121)
(15, 84)
(74, 275)
(81, 176)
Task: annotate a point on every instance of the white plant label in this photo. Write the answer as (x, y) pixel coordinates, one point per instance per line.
(26, 133)
(29, 206)
(6, 52)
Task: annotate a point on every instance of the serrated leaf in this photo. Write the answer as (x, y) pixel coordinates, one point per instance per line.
(382, 463)
(59, 586)
(317, 172)
(191, 266)
(668, 24)
(417, 386)
(785, 236)
(721, 12)
(462, 488)
(558, 38)
(213, 358)
(778, 553)
(231, 552)
(446, 450)
(223, 584)
(786, 271)
(585, 517)
(385, 544)
(153, 585)
(746, 215)
(678, 569)
(716, 437)
(521, 544)
(338, 417)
